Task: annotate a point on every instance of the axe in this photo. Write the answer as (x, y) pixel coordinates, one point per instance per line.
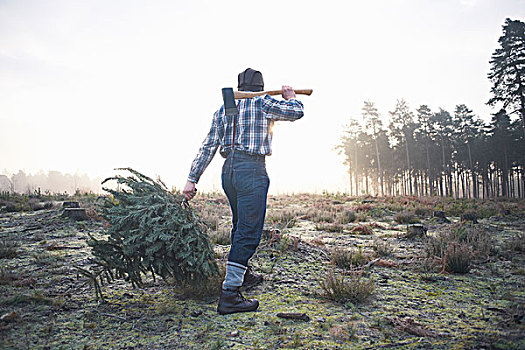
(229, 96)
(249, 94)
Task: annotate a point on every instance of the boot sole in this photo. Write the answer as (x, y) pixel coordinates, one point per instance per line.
(233, 311)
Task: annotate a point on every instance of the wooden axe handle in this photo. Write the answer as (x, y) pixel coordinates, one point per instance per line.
(249, 94)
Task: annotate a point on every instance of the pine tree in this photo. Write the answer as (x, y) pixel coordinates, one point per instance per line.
(508, 69)
(151, 230)
(373, 123)
(402, 127)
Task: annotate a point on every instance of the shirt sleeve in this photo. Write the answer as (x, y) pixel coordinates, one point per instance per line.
(206, 151)
(282, 110)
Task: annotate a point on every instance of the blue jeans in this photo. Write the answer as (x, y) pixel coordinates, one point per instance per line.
(245, 182)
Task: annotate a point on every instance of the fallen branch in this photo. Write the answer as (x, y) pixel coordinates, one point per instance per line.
(111, 315)
(294, 316)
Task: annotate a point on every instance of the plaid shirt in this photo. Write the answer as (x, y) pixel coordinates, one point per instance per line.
(254, 130)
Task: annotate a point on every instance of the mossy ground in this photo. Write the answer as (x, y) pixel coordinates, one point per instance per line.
(56, 309)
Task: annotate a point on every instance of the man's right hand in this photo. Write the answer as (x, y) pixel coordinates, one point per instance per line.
(189, 190)
(288, 92)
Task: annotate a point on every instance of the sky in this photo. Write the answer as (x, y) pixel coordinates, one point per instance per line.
(89, 86)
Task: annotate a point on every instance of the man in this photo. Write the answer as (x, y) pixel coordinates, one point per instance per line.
(245, 140)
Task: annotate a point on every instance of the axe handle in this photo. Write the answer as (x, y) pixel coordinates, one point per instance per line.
(249, 94)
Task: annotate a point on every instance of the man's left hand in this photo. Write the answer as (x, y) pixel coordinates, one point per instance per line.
(288, 92)
(189, 190)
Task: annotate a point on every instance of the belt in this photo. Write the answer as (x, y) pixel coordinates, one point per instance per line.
(240, 155)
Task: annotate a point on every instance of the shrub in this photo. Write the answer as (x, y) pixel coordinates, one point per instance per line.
(428, 269)
(7, 276)
(470, 215)
(382, 248)
(362, 230)
(346, 259)
(477, 238)
(283, 219)
(329, 227)
(346, 217)
(323, 217)
(349, 286)
(516, 243)
(363, 207)
(221, 236)
(422, 212)
(362, 216)
(405, 217)
(457, 258)
(8, 249)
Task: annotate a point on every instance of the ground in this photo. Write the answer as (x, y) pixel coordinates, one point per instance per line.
(414, 302)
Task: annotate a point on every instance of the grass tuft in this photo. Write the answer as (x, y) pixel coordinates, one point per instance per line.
(203, 290)
(221, 236)
(349, 286)
(346, 217)
(9, 249)
(362, 230)
(406, 217)
(458, 257)
(382, 248)
(347, 259)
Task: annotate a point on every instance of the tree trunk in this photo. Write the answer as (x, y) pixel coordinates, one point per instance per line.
(366, 182)
(505, 175)
(471, 168)
(408, 165)
(444, 166)
(463, 188)
(356, 176)
(428, 166)
(350, 180)
(380, 171)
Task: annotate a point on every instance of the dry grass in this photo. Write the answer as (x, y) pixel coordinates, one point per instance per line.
(382, 248)
(203, 290)
(348, 286)
(329, 227)
(9, 248)
(348, 258)
(363, 207)
(345, 217)
(406, 217)
(362, 230)
(516, 243)
(422, 211)
(7, 276)
(457, 247)
(283, 219)
(221, 236)
(457, 258)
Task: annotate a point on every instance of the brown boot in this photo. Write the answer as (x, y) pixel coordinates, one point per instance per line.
(251, 279)
(233, 301)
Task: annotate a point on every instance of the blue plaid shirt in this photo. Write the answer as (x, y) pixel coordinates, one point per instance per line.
(254, 130)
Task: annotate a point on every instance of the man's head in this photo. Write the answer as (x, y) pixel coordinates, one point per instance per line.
(250, 80)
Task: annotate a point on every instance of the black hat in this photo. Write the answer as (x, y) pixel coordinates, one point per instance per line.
(250, 80)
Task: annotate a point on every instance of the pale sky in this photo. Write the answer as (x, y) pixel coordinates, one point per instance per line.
(88, 86)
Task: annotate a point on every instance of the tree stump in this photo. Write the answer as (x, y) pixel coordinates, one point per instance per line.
(78, 214)
(70, 205)
(440, 215)
(470, 216)
(417, 230)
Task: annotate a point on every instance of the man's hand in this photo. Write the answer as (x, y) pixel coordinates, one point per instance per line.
(189, 190)
(288, 92)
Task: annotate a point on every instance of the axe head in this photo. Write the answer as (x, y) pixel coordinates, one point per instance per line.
(230, 107)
